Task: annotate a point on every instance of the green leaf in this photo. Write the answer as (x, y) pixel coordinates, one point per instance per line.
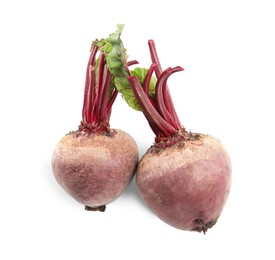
(116, 59)
(140, 74)
(124, 88)
(115, 53)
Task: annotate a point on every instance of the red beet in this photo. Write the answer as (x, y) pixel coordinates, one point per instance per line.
(186, 184)
(184, 177)
(95, 168)
(96, 163)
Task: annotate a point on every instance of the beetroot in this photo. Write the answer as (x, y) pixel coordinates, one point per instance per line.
(96, 163)
(186, 184)
(95, 168)
(185, 177)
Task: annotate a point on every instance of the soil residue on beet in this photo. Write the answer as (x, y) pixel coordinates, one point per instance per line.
(178, 140)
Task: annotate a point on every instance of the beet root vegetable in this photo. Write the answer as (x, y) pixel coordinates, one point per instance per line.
(96, 163)
(189, 190)
(95, 168)
(184, 178)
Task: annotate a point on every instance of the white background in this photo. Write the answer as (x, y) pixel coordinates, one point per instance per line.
(227, 90)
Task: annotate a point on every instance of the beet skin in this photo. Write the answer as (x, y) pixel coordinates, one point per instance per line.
(186, 185)
(95, 168)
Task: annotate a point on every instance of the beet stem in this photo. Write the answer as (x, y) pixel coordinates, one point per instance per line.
(146, 84)
(168, 101)
(161, 127)
(90, 94)
(98, 101)
(111, 101)
(99, 86)
(91, 62)
(132, 62)
(104, 96)
(161, 95)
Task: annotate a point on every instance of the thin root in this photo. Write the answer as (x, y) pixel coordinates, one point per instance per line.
(99, 208)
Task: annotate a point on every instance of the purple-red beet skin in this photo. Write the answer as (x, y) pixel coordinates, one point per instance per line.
(190, 189)
(95, 168)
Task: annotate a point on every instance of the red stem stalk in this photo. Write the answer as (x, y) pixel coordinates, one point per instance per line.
(91, 62)
(158, 110)
(111, 101)
(160, 127)
(161, 94)
(98, 100)
(90, 97)
(168, 101)
(146, 84)
(104, 96)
